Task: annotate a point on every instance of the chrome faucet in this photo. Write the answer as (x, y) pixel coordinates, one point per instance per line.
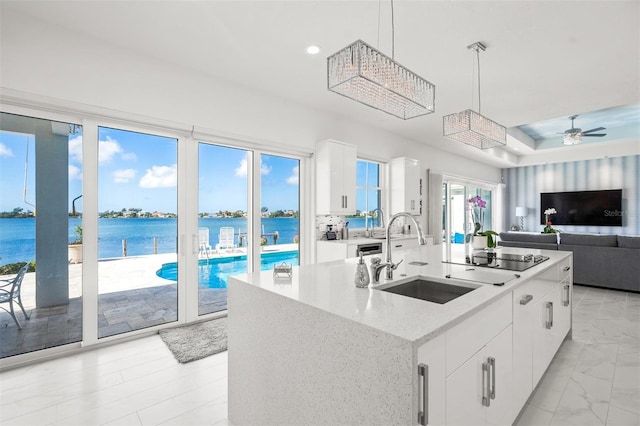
(370, 233)
(388, 261)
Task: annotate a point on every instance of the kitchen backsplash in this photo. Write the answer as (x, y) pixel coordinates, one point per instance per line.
(338, 223)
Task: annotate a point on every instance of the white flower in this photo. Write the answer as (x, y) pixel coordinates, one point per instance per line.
(550, 210)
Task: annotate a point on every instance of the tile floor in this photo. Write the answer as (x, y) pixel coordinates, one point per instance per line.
(593, 380)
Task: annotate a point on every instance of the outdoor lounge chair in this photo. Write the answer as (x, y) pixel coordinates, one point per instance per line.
(225, 239)
(10, 292)
(205, 248)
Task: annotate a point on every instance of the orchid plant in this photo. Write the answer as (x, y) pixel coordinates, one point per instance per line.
(548, 229)
(477, 206)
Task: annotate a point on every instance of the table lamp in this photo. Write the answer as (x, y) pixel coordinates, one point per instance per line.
(522, 213)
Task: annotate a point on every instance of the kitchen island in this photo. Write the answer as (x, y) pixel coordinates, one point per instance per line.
(313, 348)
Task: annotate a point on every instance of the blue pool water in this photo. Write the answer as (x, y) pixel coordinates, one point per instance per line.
(213, 273)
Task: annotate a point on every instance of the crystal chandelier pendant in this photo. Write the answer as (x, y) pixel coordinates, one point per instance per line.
(471, 127)
(474, 129)
(366, 75)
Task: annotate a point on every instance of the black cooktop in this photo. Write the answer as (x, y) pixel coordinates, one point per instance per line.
(507, 261)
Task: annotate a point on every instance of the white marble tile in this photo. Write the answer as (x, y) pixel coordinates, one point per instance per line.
(619, 417)
(534, 416)
(598, 360)
(549, 391)
(629, 345)
(214, 413)
(184, 403)
(625, 393)
(585, 401)
(130, 420)
(606, 330)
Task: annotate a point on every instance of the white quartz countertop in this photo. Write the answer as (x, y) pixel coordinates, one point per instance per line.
(330, 287)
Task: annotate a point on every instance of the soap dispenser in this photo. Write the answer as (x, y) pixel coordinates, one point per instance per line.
(362, 274)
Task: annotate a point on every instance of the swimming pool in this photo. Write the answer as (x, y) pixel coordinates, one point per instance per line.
(213, 273)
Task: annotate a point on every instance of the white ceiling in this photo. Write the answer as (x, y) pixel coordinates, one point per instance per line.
(544, 59)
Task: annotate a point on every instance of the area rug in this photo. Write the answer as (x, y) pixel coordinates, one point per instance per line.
(192, 342)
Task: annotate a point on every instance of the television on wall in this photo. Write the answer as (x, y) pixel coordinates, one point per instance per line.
(590, 208)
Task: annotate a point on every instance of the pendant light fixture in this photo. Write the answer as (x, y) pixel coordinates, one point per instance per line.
(471, 127)
(364, 74)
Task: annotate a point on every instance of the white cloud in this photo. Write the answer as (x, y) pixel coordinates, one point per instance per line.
(123, 175)
(5, 151)
(107, 149)
(75, 148)
(75, 173)
(130, 156)
(241, 170)
(294, 179)
(160, 177)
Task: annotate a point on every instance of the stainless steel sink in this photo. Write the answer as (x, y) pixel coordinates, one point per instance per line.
(428, 289)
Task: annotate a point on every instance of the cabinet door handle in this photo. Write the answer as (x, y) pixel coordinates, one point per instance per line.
(565, 302)
(345, 202)
(526, 299)
(413, 204)
(486, 392)
(549, 322)
(566, 268)
(492, 366)
(423, 415)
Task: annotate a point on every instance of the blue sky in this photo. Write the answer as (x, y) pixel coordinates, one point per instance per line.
(140, 170)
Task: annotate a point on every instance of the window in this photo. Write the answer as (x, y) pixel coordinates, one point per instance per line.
(40, 165)
(368, 190)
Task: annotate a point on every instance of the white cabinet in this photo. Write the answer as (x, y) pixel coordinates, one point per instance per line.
(327, 251)
(335, 178)
(480, 391)
(541, 320)
(551, 324)
(431, 383)
(406, 186)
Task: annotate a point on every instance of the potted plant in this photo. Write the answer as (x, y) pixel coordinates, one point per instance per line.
(75, 246)
(548, 229)
(482, 240)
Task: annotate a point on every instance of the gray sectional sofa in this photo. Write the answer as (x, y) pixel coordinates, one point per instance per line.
(609, 261)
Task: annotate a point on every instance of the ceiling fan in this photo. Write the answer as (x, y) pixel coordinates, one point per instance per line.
(573, 136)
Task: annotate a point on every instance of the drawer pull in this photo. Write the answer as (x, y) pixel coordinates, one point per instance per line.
(423, 415)
(492, 365)
(526, 299)
(486, 391)
(566, 268)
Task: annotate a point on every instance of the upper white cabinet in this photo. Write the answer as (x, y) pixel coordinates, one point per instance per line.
(406, 186)
(335, 178)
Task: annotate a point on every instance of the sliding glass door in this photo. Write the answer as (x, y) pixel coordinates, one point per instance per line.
(222, 222)
(137, 231)
(244, 215)
(467, 207)
(40, 217)
(279, 211)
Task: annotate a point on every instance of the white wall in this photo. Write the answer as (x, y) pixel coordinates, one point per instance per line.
(53, 62)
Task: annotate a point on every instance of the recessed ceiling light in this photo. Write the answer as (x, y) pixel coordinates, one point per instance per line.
(516, 148)
(312, 50)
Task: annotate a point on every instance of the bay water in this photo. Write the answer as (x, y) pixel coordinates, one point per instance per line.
(18, 235)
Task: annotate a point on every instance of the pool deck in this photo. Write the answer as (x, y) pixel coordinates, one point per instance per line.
(130, 297)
